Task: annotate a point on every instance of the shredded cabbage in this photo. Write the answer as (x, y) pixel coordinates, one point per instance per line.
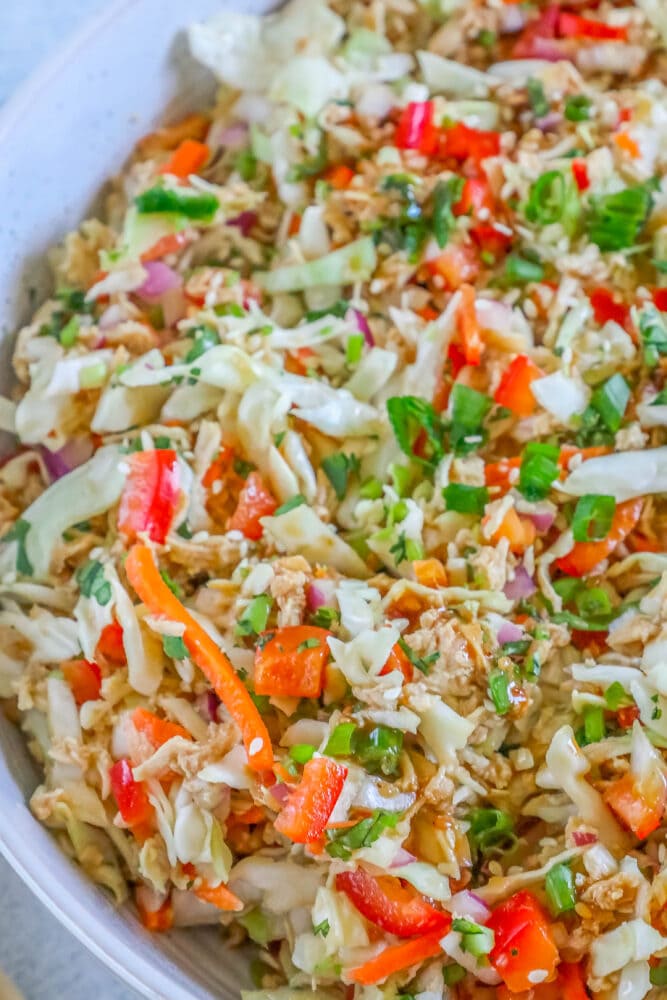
(625, 474)
(353, 262)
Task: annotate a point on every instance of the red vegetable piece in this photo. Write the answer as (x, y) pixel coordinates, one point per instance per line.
(397, 908)
(524, 943)
(150, 496)
(306, 812)
(255, 501)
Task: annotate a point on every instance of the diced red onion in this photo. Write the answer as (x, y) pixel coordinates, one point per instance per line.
(549, 122)
(362, 326)
(509, 632)
(280, 792)
(542, 519)
(231, 137)
(111, 316)
(320, 594)
(207, 705)
(161, 278)
(245, 222)
(467, 904)
(402, 858)
(521, 586)
(583, 838)
(70, 456)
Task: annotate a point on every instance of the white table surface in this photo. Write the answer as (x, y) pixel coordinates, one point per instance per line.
(36, 953)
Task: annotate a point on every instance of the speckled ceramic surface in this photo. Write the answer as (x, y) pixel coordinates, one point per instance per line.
(120, 75)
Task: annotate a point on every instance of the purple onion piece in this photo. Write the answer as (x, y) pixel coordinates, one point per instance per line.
(160, 279)
(521, 586)
(245, 222)
(509, 632)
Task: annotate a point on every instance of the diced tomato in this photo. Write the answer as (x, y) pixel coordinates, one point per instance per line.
(110, 644)
(416, 128)
(541, 30)
(660, 299)
(460, 142)
(574, 26)
(396, 958)
(606, 307)
(291, 664)
(256, 501)
(514, 391)
(189, 158)
(491, 239)
(130, 795)
(397, 908)
(475, 196)
(151, 494)
(84, 679)
(524, 942)
(639, 805)
(580, 174)
(457, 265)
(398, 660)
(304, 816)
(585, 556)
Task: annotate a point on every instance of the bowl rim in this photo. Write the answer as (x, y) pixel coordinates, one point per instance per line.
(69, 908)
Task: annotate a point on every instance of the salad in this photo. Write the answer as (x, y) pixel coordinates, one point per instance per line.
(333, 554)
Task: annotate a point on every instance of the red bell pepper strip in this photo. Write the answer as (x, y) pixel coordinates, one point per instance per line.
(396, 908)
(291, 664)
(640, 805)
(130, 795)
(145, 578)
(416, 128)
(396, 958)
(306, 812)
(157, 731)
(84, 679)
(110, 644)
(574, 26)
(605, 308)
(524, 943)
(462, 143)
(585, 556)
(255, 502)
(397, 660)
(514, 391)
(491, 239)
(580, 174)
(150, 496)
(570, 985)
(188, 159)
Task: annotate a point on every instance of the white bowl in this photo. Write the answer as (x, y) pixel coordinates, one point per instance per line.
(62, 136)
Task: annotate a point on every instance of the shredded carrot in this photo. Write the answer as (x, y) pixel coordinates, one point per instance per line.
(468, 327)
(395, 958)
(161, 141)
(145, 578)
(294, 224)
(190, 157)
(339, 176)
(219, 896)
(158, 731)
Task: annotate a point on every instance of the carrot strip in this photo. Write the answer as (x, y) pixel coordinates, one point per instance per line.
(219, 896)
(395, 958)
(190, 157)
(158, 731)
(151, 589)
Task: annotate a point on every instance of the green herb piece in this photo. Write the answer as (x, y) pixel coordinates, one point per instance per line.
(338, 468)
(70, 333)
(491, 831)
(184, 530)
(469, 408)
(615, 221)
(302, 752)
(174, 647)
(322, 928)
(205, 337)
(340, 741)
(93, 583)
(658, 974)
(406, 549)
(325, 617)
(560, 890)
(593, 603)
(378, 749)
(594, 724)
(354, 349)
(611, 400)
(200, 207)
(412, 418)
(578, 108)
(421, 663)
(653, 333)
(499, 689)
(538, 99)
(255, 616)
(466, 499)
(520, 270)
(291, 504)
(476, 939)
(339, 309)
(363, 834)
(660, 399)
(173, 586)
(18, 533)
(371, 489)
(617, 697)
(445, 195)
(554, 198)
(310, 166)
(312, 643)
(593, 517)
(518, 648)
(539, 469)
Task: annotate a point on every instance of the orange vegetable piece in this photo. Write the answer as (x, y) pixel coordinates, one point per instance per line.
(457, 265)
(520, 532)
(430, 573)
(625, 142)
(84, 679)
(158, 731)
(523, 941)
(159, 920)
(145, 578)
(585, 556)
(570, 985)
(255, 501)
(170, 136)
(339, 176)
(291, 664)
(188, 159)
(639, 806)
(396, 958)
(171, 243)
(514, 390)
(110, 644)
(398, 660)
(218, 895)
(305, 815)
(468, 327)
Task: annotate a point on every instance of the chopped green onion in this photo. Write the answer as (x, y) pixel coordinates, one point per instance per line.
(660, 399)
(466, 499)
(354, 348)
(554, 198)
(476, 939)
(322, 928)
(491, 830)
(174, 647)
(325, 617)
(520, 270)
(593, 602)
(363, 834)
(255, 616)
(617, 697)
(578, 108)
(337, 469)
(469, 408)
(302, 752)
(378, 749)
(401, 478)
(411, 418)
(610, 400)
(517, 648)
(594, 724)
(445, 195)
(653, 332)
(537, 97)
(92, 581)
(616, 220)
(421, 663)
(499, 685)
(340, 741)
(593, 517)
(70, 333)
(371, 489)
(205, 337)
(559, 885)
(539, 469)
(158, 200)
(291, 504)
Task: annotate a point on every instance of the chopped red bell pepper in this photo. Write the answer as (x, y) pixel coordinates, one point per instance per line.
(306, 812)
(457, 264)
(469, 335)
(396, 908)
(491, 239)
(580, 174)
(605, 307)
(460, 142)
(151, 494)
(660, 299)
(585, 556)
(475, 196)
(416, 128)
(130, 795)
(523, 943)
(514, 391)
(627, 715)
(84, 679)
(537, 39)
(110, 644)
(640, 805)
(397, 660)
(255, 501)
(574, 26)
(188, 159)
(291, 664)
